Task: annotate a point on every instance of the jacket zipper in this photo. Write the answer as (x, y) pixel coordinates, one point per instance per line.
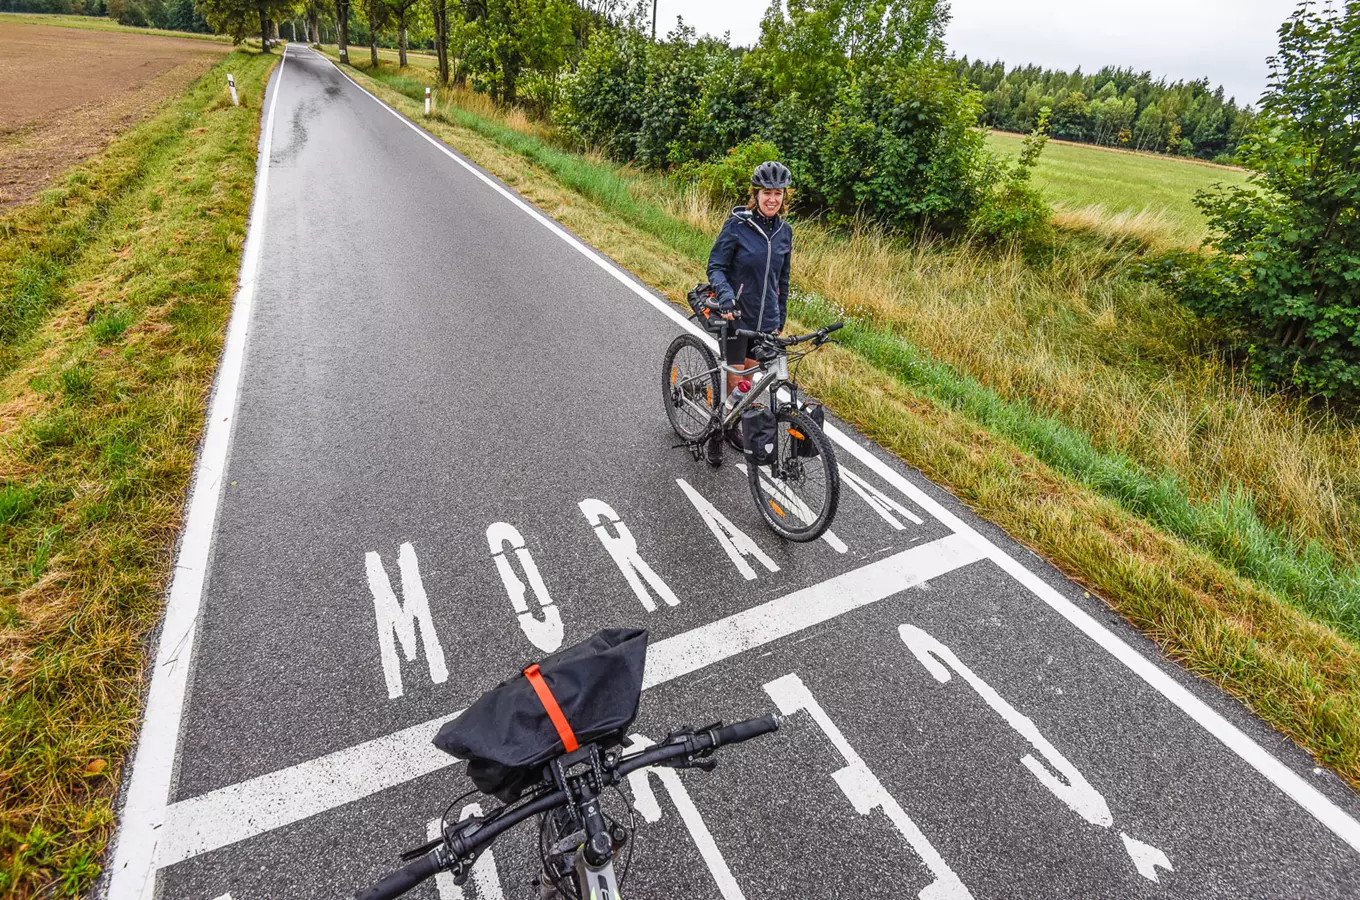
(765, 284)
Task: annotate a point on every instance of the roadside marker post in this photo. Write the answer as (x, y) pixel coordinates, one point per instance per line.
(427, 101)
(231, 83)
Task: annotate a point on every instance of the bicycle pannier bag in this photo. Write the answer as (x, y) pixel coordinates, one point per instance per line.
(701, 294)
(585, 693)
(758, 429)
(813, 411)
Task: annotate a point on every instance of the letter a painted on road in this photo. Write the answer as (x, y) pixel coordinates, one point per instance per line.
(397, 620)
(736, 542)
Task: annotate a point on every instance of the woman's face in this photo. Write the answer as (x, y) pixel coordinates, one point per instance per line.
(770, 200)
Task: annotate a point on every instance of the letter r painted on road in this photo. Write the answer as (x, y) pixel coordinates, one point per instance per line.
(397, 620)
(623, 548)
(544, 633)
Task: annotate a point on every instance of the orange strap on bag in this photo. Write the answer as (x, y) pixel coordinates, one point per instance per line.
(550, 706)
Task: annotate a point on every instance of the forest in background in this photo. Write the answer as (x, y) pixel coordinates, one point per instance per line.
(1112, 108)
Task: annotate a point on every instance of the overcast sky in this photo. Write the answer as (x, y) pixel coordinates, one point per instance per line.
(1226, 41)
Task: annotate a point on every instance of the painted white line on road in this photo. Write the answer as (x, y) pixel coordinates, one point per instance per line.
(1280, 775)
(134, 861)
(792, 613)
(290, 795)
(268, 802)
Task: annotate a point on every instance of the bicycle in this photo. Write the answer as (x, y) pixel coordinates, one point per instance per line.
(798, 487)
(578, 840)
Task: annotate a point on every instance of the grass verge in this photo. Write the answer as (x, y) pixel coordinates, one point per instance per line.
(117, 287)
(1218, 587)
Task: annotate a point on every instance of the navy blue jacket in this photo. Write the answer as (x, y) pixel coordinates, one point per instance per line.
(749, 259)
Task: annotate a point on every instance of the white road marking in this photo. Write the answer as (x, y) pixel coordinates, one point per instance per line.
(1147, 859)
(397, 620)
(644, 800)
(737, 543)
(623, 549)
(878, 501)
(760, 625)
(268, 802)
(135, 856)
(1277, 773)
(797, 506)
(132, 864)
(483, 874)
(1075, 791)
(545, 633)
(865, 792)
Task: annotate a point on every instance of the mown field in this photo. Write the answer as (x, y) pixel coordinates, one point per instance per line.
(115, 285)
(1134, 192)
(65, 92)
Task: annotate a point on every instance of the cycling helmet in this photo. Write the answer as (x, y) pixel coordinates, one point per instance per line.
(771, 175)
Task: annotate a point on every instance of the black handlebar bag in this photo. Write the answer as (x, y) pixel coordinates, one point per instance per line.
(509, 734)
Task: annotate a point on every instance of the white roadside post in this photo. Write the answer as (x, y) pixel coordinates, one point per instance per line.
(427, 101)
(231, 83)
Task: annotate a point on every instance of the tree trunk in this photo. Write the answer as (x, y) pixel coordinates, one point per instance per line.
(441, 38)
(264, 31)
(314, 25)
(373, 45)
(401, 41)
(342, 29)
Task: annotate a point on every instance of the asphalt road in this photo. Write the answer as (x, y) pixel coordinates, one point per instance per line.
(426, 361)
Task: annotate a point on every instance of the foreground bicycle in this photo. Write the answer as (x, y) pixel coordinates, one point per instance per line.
(543, 742)
(791, 468)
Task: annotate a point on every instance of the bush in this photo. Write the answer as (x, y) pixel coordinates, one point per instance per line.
(1286, 281)
(726, 181)
(1011, 208)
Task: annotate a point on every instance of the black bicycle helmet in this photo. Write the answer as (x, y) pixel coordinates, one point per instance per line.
(771, 175)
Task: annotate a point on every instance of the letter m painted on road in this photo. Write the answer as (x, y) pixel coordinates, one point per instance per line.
(397, 619)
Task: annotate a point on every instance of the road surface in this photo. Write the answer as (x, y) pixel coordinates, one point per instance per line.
(437, 451)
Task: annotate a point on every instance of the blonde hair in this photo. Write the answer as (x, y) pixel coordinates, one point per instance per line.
(751, 201)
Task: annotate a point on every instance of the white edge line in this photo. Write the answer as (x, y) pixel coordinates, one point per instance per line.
(1284, 778)
(132, 871)
(274, 800)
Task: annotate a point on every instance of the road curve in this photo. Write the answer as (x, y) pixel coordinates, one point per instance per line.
(444, 454)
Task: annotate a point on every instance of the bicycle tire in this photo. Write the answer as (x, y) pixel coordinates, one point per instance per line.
(700, 376)
(776, 485)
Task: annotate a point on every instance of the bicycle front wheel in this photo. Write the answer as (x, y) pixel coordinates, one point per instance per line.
(796, 493)
(689, 387)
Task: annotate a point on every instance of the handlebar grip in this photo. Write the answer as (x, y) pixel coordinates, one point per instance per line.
(399, 882)
(744, 731)
(836, 327)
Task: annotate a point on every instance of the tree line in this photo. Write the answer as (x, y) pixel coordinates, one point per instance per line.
(1114, 108)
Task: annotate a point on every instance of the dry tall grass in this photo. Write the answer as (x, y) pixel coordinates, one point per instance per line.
(1081, 337)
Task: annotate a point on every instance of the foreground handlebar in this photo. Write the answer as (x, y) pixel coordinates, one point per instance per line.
(744, 731)
(405, 878)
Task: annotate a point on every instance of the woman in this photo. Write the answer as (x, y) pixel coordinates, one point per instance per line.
(749, 269)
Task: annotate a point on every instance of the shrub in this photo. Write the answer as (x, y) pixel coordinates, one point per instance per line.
(1287, 279)
(726, 181)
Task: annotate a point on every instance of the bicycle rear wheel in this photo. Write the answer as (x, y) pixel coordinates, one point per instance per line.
(797, 495)
(689, 387)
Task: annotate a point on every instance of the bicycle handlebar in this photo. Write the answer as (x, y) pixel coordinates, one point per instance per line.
(699, 744)
(408, 876)
(819, 335)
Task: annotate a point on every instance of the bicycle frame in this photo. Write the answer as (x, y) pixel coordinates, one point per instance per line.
(774, 375)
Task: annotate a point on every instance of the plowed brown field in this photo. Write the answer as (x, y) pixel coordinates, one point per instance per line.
(65, 92)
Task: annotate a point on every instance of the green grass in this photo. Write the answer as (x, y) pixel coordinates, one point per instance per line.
(116, 286)
(97, 23)
(1079, 177)
(1252, 604)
